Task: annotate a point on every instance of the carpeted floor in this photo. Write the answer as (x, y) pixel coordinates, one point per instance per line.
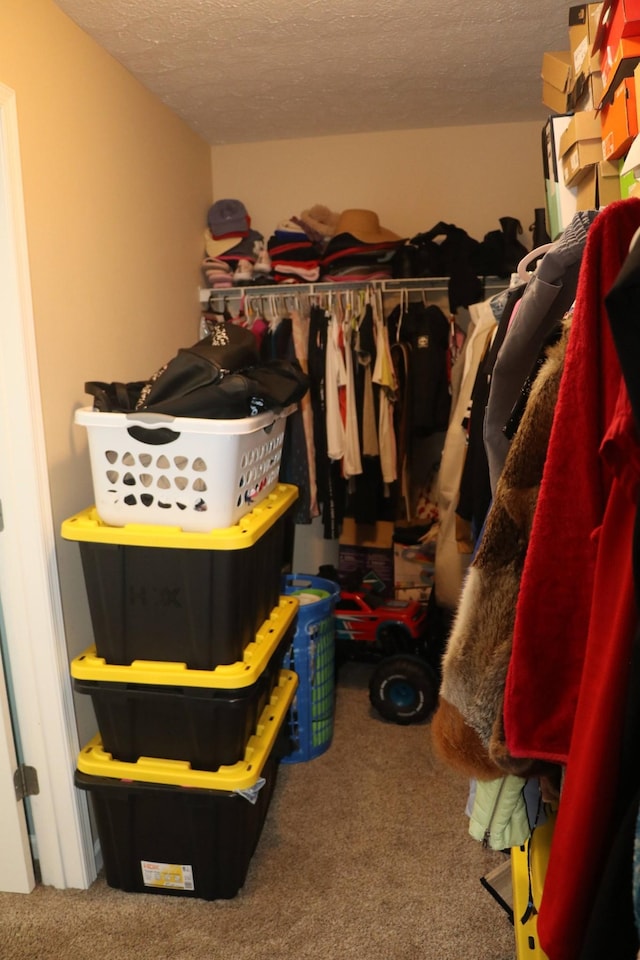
(364, 854)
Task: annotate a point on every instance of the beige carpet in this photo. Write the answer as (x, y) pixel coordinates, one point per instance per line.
(364, 856)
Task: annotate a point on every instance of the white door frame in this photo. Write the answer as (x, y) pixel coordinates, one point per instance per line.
(16, 864)
(38, 666)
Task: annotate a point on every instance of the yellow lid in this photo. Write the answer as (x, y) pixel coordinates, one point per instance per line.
(227, 676)
(96, 762)
(87, 526)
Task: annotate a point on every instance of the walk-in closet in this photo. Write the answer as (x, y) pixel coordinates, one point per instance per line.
(319, 480)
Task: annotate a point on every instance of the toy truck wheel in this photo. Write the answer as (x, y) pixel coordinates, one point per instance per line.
(404, 689)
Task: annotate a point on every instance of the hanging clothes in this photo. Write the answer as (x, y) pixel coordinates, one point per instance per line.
(475, 483)
(364, 349)
(367, 502)
(352, 461)
(467, 727)
(474, 496)
(330, 483)
(383, 375)
(549, 293)
(569, 647)
(499, 813)
(451, 562)
(335, 379)
(592, 766)
(612, 909)
(557, 582)
(425, 328)
(300, 332)
(599, 796)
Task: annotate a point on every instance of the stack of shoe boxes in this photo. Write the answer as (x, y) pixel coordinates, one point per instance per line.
(191, 701)
(594, 124)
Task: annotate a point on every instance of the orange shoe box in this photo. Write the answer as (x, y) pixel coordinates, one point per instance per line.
(620, 121)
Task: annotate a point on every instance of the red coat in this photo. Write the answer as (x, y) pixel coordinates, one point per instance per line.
(554, 603)
(576, 614)
(584, 827)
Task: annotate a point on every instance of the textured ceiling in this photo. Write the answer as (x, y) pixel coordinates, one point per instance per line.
(251, 70)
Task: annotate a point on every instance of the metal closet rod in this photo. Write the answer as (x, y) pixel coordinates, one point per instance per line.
(425, 284)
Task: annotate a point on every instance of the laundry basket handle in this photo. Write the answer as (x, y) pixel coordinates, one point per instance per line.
(157, 437)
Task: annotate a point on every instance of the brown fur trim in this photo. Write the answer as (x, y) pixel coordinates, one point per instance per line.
(459, 746)
(476, 660)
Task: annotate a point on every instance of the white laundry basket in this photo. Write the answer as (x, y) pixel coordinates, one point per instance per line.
(192, 473)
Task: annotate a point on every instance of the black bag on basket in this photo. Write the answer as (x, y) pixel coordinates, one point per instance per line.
(219, 377)
(268, 386)
(114, 397)
(227, 349)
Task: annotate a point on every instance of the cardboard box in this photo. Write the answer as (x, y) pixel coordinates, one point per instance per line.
(413, 564)
(365, 555)
(627, 183)
(580, 146)
(557, 77)
(608, 182)
(618, 62)
(630, 171)
(620, 121)
(561, 201)
(618, 19)
(587, 196)
(587, 93)
(583, 27)
(616, 40)
(600, 186)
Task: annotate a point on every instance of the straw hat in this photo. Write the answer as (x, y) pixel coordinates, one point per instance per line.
(365, 226)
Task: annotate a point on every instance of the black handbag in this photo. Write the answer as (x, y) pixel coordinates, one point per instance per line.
(228, 348)
(272, 385)
(219, 377)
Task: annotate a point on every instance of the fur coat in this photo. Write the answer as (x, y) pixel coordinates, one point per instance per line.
(467, 728)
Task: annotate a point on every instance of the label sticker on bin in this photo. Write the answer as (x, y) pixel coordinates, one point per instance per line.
(174, 876)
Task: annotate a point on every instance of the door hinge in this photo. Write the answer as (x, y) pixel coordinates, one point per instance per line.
(25, 782)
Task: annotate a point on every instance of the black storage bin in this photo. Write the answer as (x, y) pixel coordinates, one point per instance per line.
(158, 593)
(161, 709)
(179, 838)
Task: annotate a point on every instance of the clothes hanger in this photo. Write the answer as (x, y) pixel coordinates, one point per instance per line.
(522, 271)
(404, 309)
(634, 239)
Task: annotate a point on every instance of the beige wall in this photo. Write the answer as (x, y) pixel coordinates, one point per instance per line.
(116, 190)
(469, 176)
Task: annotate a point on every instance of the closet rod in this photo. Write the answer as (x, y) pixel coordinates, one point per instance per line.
(422, 284)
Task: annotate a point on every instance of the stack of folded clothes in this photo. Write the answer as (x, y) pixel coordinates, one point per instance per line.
(295, 258)
(360, 249)
(233, 249)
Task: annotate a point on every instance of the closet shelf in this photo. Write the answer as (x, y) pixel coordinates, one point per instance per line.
(426, 284)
